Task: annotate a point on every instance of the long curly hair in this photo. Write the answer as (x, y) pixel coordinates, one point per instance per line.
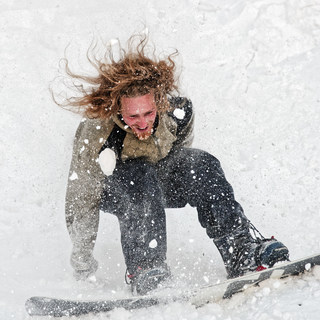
(133, 74)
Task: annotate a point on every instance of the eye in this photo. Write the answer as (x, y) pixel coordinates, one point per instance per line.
(149, 113)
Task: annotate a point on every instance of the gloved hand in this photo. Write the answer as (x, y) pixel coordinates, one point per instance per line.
(107, 161)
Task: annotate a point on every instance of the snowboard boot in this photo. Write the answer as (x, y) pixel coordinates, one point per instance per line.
(243, 253)
(145, 280)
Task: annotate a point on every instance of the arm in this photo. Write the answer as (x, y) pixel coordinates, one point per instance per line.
(184, 117)
(83, 194)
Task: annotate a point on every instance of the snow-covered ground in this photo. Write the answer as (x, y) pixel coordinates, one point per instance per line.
(252, 70)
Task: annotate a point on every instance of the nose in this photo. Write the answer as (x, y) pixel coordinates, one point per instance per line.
(142, 122)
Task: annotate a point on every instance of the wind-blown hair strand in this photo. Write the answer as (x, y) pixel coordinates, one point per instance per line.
(133, 74)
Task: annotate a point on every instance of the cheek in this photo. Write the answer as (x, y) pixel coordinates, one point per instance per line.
(129, 121)
(151, 118)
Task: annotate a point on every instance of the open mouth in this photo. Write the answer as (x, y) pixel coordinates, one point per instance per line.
(143, 129)
(143, 133)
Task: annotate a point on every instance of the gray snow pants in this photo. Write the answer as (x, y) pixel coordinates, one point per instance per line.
(138, 193)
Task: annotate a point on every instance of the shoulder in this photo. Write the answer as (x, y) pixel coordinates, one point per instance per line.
(181, 110)
(93, 130)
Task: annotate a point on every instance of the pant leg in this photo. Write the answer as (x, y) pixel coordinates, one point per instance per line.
(196, 177)
(133, 194)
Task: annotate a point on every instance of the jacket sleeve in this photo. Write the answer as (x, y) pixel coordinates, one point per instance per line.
(182, 113)
(83, 194)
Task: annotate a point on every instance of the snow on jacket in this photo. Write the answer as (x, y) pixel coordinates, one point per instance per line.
(172, 129)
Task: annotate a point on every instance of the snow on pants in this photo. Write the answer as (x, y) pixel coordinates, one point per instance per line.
(138, 193)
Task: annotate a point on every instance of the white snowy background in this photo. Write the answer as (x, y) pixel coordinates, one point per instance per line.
(252, 70)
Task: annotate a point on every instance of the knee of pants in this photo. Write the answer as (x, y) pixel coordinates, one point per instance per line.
(207, 160)
(198, 160)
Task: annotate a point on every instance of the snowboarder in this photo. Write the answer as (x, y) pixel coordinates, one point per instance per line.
(132, 158)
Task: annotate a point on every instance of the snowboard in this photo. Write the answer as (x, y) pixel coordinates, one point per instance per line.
(44, 306)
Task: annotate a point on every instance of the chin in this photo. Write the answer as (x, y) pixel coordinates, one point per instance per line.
(143, 135)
